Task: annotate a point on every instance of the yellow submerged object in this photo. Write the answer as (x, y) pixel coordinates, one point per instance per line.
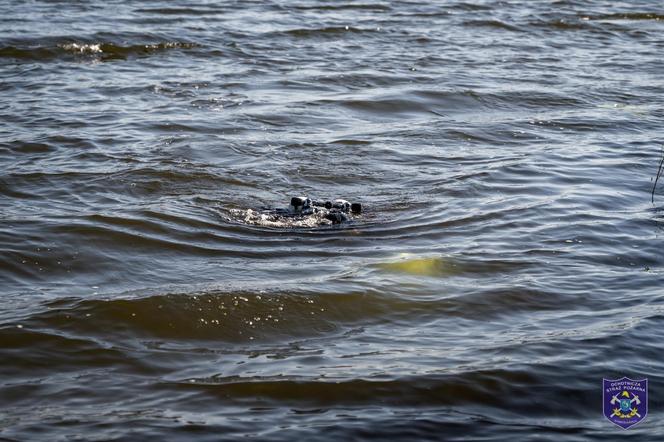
(424, 266)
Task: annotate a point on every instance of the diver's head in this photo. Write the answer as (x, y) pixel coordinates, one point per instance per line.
(299, 203)
(341, 205)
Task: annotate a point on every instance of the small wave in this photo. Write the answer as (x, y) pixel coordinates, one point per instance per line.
(119, 51)
(628, 16)
(236, 316)
(497, 24)
(501, 388)
(82, 48)
(535, 99)
(50, 351)
(346, 6)
(413, 102)
(564, 25)
(329, 31)
(466, 6)
(101, 50)
(278, 314)
(179, 11)
(27, 147)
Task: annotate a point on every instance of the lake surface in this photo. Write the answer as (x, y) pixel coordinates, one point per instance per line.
(508, 257)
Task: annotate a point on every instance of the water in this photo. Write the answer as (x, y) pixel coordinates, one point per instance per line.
(508, 257)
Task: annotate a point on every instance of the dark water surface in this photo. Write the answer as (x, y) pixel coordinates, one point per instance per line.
(508, 259)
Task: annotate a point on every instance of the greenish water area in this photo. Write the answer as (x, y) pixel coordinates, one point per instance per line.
(508, 256)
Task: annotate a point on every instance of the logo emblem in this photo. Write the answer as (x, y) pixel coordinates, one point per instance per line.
(625, 401)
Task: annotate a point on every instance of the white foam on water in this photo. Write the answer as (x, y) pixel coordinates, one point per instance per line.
(83, 48)
(258, 218)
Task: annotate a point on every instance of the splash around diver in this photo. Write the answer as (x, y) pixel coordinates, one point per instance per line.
(304, 212)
